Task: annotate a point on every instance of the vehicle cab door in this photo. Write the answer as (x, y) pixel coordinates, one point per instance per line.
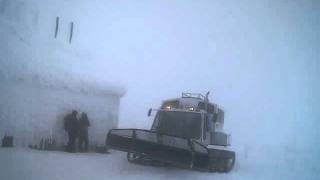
(207, 128)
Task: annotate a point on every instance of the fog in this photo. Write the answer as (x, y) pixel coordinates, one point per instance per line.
(259, 59)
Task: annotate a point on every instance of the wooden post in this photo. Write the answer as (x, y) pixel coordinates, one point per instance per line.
(57, 27)
(71, 32)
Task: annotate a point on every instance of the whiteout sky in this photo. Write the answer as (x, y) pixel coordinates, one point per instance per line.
(259, 59)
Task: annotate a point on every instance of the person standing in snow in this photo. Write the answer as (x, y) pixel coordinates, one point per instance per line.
(83, 132)
(71, 127)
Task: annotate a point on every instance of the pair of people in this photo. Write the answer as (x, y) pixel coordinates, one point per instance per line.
(77, 129)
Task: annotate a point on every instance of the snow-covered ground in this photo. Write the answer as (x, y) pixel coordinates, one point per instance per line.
(260, 59)
(21, 163)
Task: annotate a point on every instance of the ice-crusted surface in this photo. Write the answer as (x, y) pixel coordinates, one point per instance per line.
(42, 80)
(10, 71)
(30, 112)
(28, 56)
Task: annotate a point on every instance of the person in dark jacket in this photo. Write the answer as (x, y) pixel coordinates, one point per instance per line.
(83, 132)
(71, 126)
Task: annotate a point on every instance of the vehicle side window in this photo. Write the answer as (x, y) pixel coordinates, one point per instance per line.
(207, 124)
(205, 127)
(202, 106)
(155, 122)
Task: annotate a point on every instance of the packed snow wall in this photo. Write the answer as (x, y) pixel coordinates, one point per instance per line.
(31, 111)
(44, 75)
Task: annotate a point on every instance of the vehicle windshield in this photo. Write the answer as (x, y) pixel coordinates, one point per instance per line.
(181, 124)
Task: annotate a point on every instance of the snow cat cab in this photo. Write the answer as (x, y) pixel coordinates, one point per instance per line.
(186, 132)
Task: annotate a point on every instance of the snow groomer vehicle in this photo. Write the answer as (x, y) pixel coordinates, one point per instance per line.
(186, 132)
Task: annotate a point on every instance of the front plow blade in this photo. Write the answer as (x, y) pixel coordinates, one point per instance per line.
(160, 147)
